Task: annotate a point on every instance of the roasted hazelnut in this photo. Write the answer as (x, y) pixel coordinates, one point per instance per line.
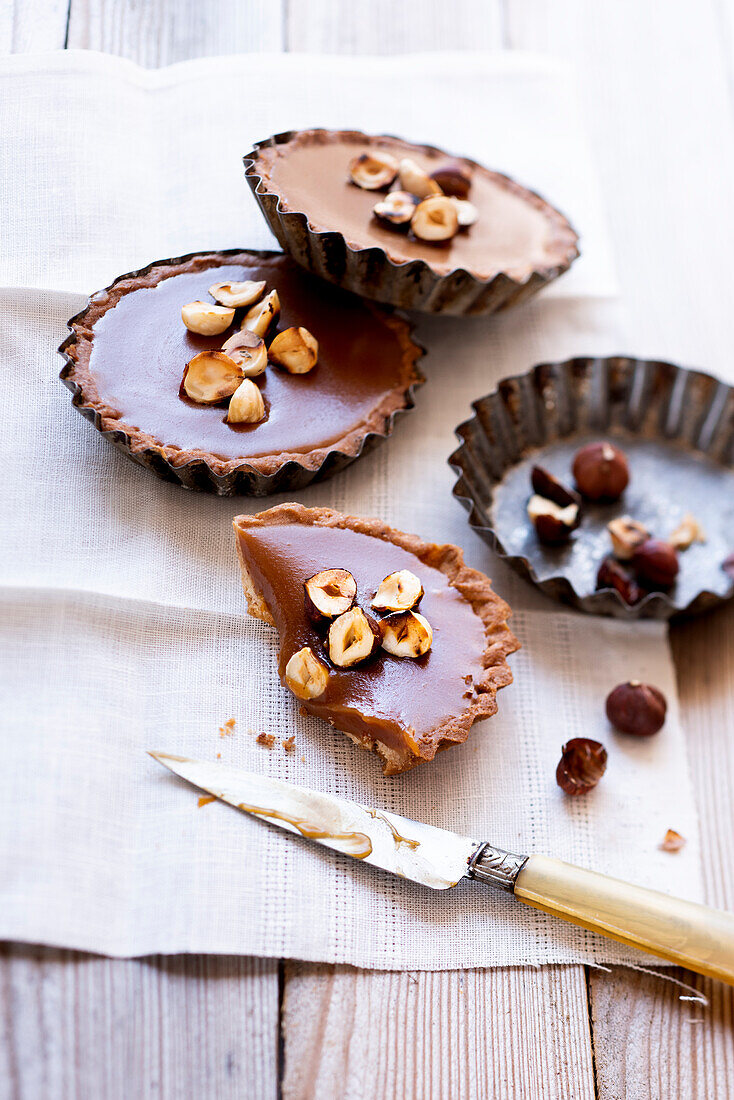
(263, 313)
(373, 171)
(236, 295)
(626, 535)
(248, 351)
(688, 531)
(210, 377)
(582, 764)
(329, 593)
(466, 212)
(553, 524)
(406, 634)
(400, 591)
(435, 219)
(295, 349)
(600, 471)
(636, 708)
(353, 637)
(612, 574)
(416, 180)
(656, 563)
(453, 178)
(206, 319)
(397, 208)
(548, 486)
(306, 674)
(247, 405)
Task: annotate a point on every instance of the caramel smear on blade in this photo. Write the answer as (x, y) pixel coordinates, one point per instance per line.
(360, 845)
(412, 844)
(205, 799)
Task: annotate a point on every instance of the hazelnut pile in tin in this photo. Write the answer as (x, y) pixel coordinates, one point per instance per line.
(391, 639)
(430, 206)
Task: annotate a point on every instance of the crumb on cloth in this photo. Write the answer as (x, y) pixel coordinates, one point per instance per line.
(266, 739)
(290, 744)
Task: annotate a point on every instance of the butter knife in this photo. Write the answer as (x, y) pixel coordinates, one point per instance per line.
(682, 932)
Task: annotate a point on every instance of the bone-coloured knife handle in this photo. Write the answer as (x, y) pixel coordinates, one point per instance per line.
(682, 932)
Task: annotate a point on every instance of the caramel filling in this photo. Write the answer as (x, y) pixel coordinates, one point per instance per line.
(141, 346)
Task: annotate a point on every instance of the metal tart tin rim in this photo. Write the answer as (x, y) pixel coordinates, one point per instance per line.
(603, 601)
(458, 292)
(244, 479)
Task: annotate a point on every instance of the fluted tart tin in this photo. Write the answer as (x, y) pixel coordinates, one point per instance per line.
(126, 354)
(676, 427)
(379, 264)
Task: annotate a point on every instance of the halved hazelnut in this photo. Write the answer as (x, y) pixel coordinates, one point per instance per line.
(247, 405)
(626, 535)
(248, 351)
(263, 313)
(416, 180)
(397, 208)
(400, 591)
(210, 377)
(466, 212)
(353, 637)
(329, 593)
(552, 523)
(548, 486)
(373, 171)
(406, 634)
(453, 178)
(688, 531)
(612, 574)
(306, 674)
(435, 219)
(237, 294)
(205, 319)
(672, 841)
(295, 349)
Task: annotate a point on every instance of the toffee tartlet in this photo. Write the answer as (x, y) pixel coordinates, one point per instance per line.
(517, 244)
(135, 369)
(391, 639)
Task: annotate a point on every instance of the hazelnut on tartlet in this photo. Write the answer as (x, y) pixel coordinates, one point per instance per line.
(600, 471)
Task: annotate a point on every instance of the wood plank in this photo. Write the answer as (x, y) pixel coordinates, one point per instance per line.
(647, 1042)
(30, 25)
(377, 1035)
(74, 1025)
(175, 30)
(393, 26)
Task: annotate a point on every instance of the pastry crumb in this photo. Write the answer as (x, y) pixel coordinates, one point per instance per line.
(290, 744)
(303, 759)
(303, 712)
(228, 728)
(672, 841)
(205, 799)
(219, 756)
(266, 739)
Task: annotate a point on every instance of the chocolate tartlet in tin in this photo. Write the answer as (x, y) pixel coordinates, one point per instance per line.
(517, 245)
(403, 703)
(676, 428)
(126, 355)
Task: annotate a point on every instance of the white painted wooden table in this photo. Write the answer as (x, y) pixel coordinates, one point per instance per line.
(658, 86)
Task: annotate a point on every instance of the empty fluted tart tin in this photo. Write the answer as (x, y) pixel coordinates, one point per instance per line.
(675, 427)
(405, 224)
(254, 398)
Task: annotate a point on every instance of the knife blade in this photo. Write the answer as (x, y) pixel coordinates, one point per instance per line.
(682, 932)
(433, 857)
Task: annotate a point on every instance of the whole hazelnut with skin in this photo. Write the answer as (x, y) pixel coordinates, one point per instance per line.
(636, 708)
(656, 563)
(582, 764)
(601, 471)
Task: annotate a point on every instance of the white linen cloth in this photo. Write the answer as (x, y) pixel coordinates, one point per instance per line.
(123, 620)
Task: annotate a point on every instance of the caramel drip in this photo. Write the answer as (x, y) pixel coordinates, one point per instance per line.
(412, 844)
(362, 843)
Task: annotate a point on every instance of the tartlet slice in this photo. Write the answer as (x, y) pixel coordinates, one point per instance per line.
(129, 348)
(404, 708)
